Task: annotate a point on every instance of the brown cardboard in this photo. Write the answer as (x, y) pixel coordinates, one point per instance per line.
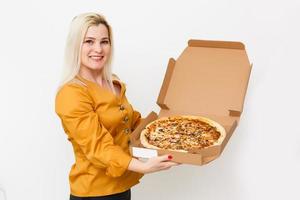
(209, 79)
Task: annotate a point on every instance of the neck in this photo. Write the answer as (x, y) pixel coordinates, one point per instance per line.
(94, 76)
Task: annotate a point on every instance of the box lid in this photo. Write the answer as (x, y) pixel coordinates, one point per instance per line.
(208, 77)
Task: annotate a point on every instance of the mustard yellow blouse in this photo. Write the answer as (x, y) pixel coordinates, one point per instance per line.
(98, 124)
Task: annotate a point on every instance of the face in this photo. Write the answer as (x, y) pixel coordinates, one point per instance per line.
(95, 49)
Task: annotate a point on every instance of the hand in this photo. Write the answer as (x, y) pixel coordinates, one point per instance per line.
(159, 163)
(152, 164)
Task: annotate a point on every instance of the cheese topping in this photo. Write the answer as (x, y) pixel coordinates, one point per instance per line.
(181, 133)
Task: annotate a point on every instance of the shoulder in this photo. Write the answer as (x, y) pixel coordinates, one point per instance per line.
(77, 82)
(72, 94)
(74, 86)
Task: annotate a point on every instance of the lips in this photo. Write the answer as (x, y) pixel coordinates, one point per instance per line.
(96, 57)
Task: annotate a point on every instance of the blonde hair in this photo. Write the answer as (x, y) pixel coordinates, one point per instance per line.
(72, 58)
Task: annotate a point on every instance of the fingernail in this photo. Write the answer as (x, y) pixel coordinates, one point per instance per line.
(170, 157)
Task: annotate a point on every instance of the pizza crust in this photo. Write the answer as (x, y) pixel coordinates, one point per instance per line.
(212, 123)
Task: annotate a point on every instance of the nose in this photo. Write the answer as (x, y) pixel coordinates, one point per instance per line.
(97, 47)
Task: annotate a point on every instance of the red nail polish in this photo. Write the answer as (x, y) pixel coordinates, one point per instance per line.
(170, 157)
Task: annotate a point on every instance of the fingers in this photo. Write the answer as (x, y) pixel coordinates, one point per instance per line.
(160, 163)
(165, 158)
(162, 158)
(166, 168)
(167, 165)
(175, 164)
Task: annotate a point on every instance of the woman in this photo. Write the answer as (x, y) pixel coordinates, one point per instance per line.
(97, 117)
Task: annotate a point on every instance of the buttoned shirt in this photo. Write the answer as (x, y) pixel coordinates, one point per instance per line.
(98, 123)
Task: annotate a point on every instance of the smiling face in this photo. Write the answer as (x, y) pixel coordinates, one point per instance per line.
(96, 49)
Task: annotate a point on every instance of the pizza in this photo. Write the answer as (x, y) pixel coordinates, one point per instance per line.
(182, 133)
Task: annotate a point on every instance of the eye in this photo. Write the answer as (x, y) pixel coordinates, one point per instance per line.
(105, 42)
(89, 41)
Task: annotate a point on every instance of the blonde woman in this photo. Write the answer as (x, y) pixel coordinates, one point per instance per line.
(97, 117)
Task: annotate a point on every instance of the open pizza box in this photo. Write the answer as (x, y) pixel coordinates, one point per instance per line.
(209, 79)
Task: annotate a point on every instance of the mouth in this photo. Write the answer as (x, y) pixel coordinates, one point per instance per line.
(96, 58)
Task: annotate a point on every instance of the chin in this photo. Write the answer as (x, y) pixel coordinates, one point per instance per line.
(93, 66)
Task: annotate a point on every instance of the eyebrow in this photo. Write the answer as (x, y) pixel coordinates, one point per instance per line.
(105, 38)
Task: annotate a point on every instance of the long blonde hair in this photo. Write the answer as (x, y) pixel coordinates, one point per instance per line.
(72, 58)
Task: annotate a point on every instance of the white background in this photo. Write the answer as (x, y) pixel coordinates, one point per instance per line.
(261, 161)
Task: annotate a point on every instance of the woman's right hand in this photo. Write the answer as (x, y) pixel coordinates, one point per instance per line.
(152, 164)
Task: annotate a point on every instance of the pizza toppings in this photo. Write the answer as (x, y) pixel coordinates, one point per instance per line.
(181, 133)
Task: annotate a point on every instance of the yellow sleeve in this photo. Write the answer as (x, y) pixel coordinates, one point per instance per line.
(74, 106)
(136, 119)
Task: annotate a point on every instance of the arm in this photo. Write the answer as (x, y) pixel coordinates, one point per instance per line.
(81, 123)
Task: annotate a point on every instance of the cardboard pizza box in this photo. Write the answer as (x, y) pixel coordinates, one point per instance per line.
(209, 79)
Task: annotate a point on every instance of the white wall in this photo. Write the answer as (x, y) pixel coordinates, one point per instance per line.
(261, 161)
